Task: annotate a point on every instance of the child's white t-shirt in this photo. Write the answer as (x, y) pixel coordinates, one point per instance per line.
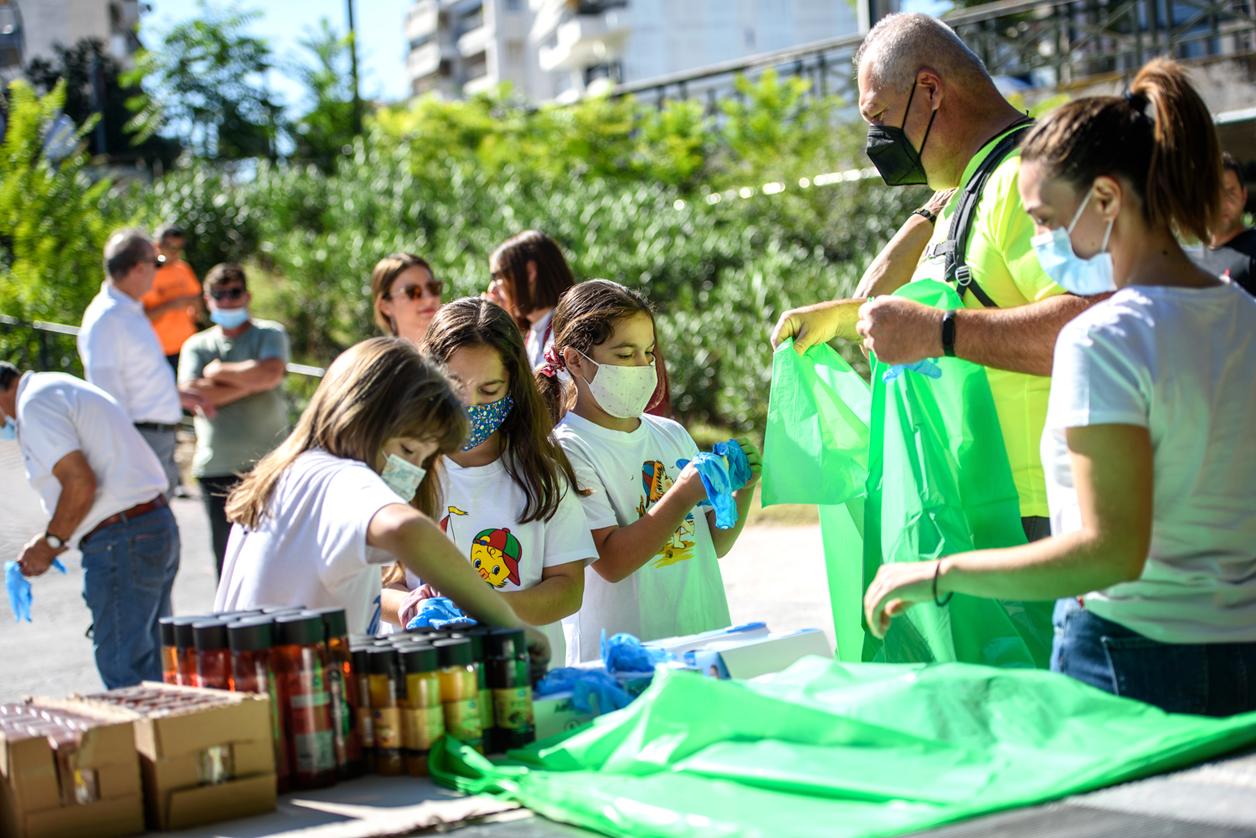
(1179, 362)
(679, 591)
(483, 505)
(310, 548)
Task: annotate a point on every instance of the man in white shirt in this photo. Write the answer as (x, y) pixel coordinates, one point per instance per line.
(122, 355)
(102, 488)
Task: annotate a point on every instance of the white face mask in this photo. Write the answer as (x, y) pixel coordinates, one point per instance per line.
(403, 476)
(623, 392)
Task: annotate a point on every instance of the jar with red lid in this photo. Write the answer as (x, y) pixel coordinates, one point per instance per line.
(251, 640)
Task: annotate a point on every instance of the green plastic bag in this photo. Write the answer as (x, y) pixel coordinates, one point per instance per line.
(837, 749)
(816, 452)
(933, 480)
(939, 483)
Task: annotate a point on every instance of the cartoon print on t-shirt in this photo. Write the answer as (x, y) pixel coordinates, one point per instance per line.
(495, 554)
(449, 513)
(655, 482)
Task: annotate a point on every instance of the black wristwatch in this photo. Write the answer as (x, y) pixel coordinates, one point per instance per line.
(926, 214)
(948, 334)
(53, 542)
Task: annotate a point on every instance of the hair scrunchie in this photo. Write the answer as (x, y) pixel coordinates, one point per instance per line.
(553, 363)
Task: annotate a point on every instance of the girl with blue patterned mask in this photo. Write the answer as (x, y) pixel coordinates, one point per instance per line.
(507, 497)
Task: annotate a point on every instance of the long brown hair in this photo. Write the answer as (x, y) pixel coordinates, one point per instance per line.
(1172, 156)
(382, 277)
(553, 274)
(376, 390)
(530, 456)
(584, 318)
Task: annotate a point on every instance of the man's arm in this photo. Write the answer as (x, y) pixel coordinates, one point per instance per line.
(1020, 339)
(253, 376)
(78, 492)
(214, 394)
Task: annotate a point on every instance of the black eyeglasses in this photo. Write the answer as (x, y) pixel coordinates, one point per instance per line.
(228, 293)
(159, 261)
(414, 293)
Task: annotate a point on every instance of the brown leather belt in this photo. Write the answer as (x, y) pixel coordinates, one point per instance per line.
(127, 514)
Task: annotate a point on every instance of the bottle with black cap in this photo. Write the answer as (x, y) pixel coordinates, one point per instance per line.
(422, 715)
(169, 651)
(301, 667)
(251, 640)
(339, 680)
(460, 691)
(185, 649)
(383, 667)
(362, 707)
(213, 656)
(509, 678)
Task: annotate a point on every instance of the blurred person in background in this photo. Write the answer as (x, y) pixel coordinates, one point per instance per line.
(405, 295)
(238, 366)
(173, 304)
(1231, 252)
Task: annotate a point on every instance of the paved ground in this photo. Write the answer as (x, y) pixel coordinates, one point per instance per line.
(774, 574)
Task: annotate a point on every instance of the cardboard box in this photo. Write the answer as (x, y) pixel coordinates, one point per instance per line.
(206, 763)
(555, 714)
(751, 656)
(93, 790)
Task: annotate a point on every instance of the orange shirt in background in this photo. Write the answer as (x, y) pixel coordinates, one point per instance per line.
(174, 325)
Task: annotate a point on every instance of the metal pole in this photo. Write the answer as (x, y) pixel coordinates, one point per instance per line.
(353, 70)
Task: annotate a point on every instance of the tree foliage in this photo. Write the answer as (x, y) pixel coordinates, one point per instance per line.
(206, 84)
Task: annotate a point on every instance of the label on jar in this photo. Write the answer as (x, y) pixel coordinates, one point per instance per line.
(421, 726)
(386, 722)
(486, 708)
(315, 752)
(512, 708)
(366, 728)
(340, 719)
(462, 720)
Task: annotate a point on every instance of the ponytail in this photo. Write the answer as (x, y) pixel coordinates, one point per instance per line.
(1170, 155)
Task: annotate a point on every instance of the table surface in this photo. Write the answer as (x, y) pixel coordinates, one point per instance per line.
(1213, 800)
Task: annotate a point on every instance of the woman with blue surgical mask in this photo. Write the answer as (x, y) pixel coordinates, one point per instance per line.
(349, 491)
(1148, 451)
(507, 497)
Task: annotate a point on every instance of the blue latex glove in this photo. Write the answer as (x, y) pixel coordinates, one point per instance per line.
(738, 465)
(19, 588)
(584, 684)
(439, 612)
(624, 653)
(925, 367)
(713, 470)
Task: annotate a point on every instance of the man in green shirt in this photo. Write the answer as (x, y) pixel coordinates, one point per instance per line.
(237, 365)
(934, 115)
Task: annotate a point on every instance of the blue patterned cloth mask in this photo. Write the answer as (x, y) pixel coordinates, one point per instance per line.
(486, 419)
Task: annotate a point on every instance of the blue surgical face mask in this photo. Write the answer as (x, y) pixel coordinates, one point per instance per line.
(8, 431)
(229, 318)
(486, 419)
(403, 476)
(1085, 277)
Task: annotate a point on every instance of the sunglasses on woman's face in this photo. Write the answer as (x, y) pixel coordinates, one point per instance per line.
(414, 293)
(220, 294)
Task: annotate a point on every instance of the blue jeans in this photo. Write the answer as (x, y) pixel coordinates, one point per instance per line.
(1208, 679)
(128, 574)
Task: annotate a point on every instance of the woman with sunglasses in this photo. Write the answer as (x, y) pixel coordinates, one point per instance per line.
(405, 295)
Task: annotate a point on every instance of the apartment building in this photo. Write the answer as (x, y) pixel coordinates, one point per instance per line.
(32, 28)
(563, 49)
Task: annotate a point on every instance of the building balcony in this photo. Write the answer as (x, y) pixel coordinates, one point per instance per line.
(428, 59)
(579, 40)
(482, 84)
(422, 20)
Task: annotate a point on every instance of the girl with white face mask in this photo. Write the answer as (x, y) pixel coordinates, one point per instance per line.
(657, 573)
(507, 496)
(316, 518)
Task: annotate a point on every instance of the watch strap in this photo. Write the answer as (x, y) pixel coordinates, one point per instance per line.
(926, 214)
(948, 334)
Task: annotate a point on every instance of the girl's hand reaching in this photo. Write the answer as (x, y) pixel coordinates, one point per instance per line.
(753, 458)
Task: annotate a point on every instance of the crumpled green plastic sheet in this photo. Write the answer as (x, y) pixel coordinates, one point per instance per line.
(840, 749)
(933, 480)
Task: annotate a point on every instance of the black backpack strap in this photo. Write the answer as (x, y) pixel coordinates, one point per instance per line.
(956, 245)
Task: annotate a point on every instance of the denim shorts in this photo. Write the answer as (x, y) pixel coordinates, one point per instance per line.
(1209, 679)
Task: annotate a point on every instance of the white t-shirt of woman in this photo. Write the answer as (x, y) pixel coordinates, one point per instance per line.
(1180, 362)
(539, 338)
(310, 548)
(679, 591)
(482, 507)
